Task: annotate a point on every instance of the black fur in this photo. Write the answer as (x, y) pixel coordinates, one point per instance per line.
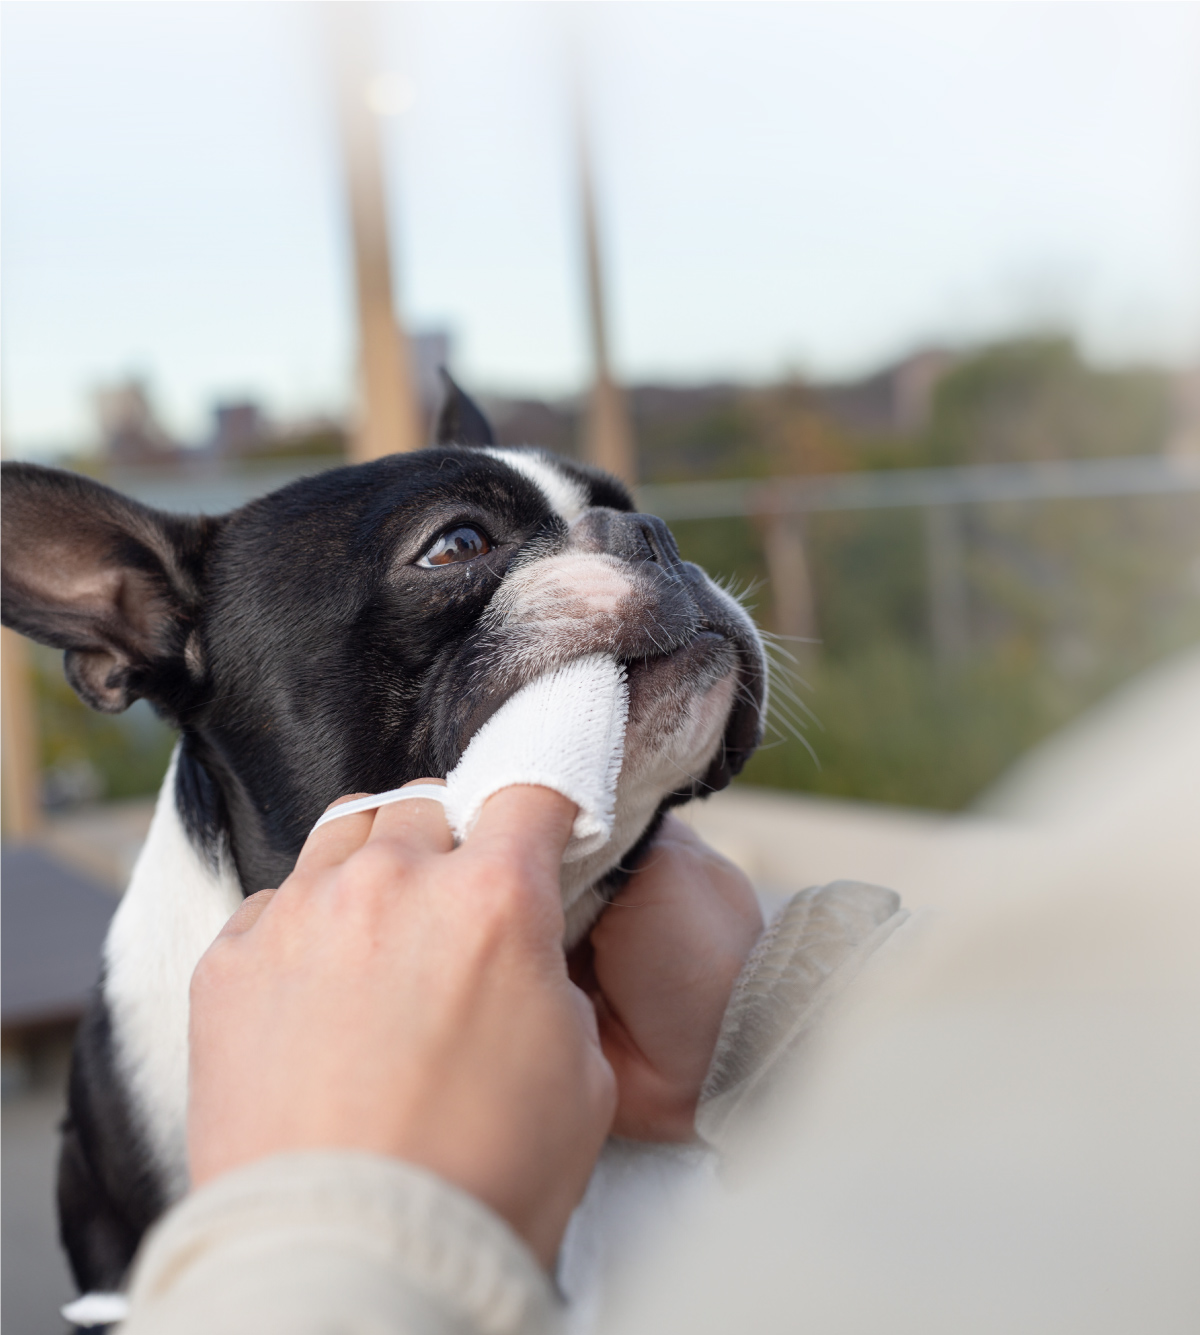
(108, 1194)
(303, 654)
(460, 422)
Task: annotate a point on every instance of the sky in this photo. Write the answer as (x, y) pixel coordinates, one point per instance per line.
(810, 188)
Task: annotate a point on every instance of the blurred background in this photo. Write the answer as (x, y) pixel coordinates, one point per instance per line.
(893, 311)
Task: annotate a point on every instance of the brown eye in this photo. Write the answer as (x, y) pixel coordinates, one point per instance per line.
(460, 544)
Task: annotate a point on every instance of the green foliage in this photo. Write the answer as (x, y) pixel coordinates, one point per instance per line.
(1034, 399)
(715, 439)
(731, 550)
(1065, 599)
(890, 728)
(125, 755)
(868, 575)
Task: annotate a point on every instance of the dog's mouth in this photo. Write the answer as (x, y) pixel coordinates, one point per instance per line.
(677, 634)
(667, 691)
(667, 694)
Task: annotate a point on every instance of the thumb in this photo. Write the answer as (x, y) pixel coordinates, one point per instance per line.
(529, 824)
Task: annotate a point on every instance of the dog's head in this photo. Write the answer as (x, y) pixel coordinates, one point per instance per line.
(351, 631)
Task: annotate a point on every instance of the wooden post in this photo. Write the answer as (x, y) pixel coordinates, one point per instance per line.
(792, 602)
(608, 431)
(22, 774)
(389, 419)
(946, 578)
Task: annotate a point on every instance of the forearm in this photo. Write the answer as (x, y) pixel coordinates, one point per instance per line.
(335, 1240)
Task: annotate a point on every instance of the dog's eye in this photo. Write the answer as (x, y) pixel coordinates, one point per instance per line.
(460, 544)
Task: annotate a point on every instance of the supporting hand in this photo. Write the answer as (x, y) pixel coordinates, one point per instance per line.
(664, 958)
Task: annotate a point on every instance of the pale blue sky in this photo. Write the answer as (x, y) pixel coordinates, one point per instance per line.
(811, 186)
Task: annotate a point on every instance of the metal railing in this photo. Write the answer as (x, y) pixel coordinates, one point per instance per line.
(1140, 475)
(781, 505)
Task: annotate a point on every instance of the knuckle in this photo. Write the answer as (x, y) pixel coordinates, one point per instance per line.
(377, 865)
(506, 888)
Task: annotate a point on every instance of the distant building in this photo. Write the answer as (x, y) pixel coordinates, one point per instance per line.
(896, 401)
(430, 351)
(239, 428)
(129, 428)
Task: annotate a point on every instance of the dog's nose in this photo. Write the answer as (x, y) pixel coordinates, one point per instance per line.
(634, 537)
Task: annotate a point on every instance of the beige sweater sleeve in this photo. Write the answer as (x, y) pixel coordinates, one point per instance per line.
(330, 1242)
(804, 959)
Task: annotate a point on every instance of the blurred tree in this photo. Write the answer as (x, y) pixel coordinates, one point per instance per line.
(1065, 599)
(1034, 399)
(86, 755)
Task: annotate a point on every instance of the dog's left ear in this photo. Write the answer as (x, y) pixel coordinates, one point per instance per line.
(113, 583)
(461, 421)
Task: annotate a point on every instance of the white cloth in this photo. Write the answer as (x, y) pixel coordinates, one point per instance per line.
(565, 731)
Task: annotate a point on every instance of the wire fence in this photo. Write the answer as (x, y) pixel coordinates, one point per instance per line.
(781, 506)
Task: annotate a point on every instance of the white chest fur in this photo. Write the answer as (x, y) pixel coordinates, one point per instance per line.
(173, 909)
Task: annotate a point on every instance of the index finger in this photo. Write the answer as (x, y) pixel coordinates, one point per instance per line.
(331, 844)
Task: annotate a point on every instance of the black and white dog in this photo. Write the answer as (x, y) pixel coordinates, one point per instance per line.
(347, 633)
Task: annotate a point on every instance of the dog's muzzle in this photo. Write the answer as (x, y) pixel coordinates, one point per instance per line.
(615, 584)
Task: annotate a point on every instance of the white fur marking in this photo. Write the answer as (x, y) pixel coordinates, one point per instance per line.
(97, 1309)
(172, 911)
(564, 495)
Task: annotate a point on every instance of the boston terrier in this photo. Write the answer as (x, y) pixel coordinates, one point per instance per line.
(347, 633)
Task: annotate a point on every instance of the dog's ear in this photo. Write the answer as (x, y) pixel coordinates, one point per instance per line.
(113, 583)
(461, 421)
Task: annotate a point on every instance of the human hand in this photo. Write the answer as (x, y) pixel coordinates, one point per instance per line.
(402, 996)
(664, 958)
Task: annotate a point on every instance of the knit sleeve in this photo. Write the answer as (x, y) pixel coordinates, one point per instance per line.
(802, 961)
(335, 1241)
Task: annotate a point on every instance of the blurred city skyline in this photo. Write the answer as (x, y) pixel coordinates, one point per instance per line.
(814, 188)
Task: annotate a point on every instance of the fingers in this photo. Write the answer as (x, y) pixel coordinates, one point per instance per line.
(333, 843)
(529, 824)
(419, 823)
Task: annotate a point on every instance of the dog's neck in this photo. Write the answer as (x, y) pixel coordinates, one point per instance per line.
(177, 901)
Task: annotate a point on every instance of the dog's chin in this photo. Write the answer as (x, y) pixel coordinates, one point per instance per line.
(675, 708)
(672, 696)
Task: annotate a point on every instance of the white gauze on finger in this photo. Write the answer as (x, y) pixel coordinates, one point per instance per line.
(565, 731)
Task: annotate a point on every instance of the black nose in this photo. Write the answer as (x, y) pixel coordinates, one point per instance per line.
(634, 537)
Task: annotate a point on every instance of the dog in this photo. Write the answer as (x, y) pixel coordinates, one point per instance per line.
(346, 633)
